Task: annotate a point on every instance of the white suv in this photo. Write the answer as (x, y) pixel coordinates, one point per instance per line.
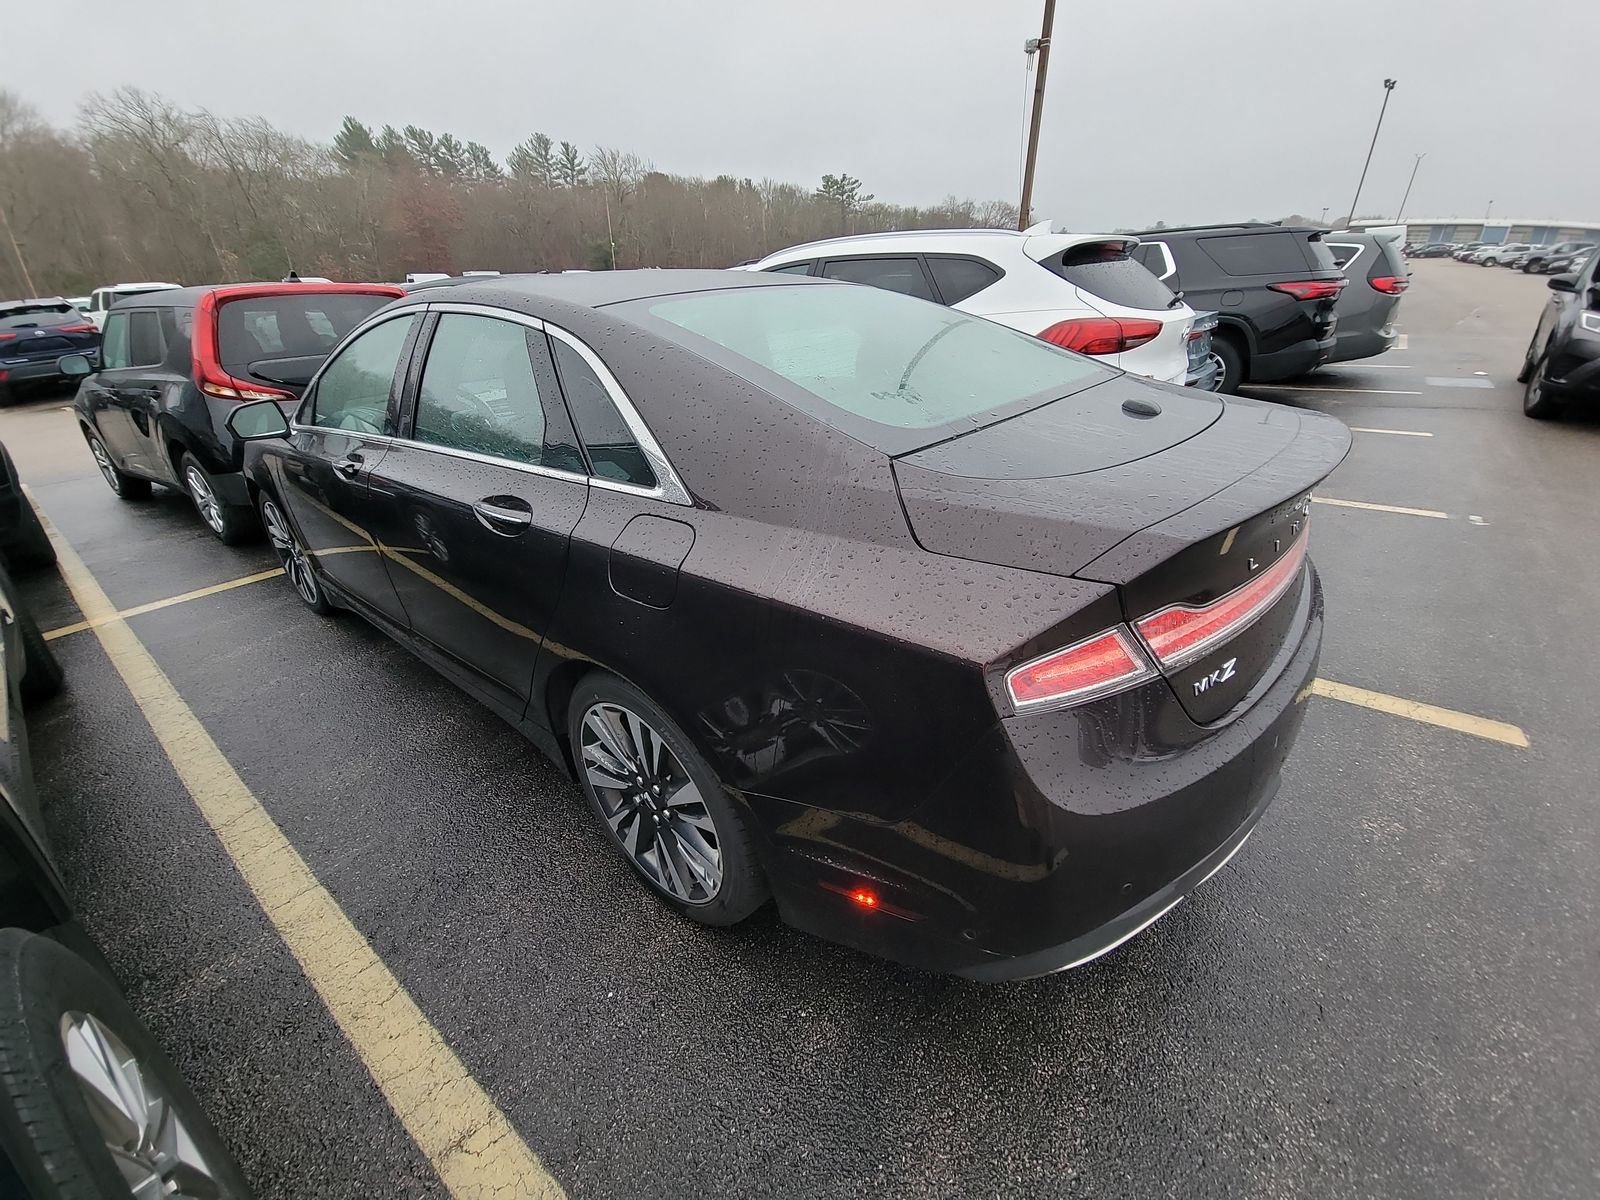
(104, 297)
(1076, 290)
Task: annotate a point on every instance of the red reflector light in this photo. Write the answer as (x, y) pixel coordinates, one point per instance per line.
(1183, 633)
(1101, 335)
(1392, 284)
(1096, 666)
(865, 898)
(76, 329)
(1311, 289)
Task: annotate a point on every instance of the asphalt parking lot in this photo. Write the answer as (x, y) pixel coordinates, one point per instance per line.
(1393, 991)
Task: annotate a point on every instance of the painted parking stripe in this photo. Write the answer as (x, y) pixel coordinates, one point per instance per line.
(1403, 342)
(1396, 432)
(1281, 387)
(1457, 381)
(1388, 508)
(156, 605)
(469, 1141)
(1428, 714)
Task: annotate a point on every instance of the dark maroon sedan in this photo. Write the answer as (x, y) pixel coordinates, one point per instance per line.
(964, 649)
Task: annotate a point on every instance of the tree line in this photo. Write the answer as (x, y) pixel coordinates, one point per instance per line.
(142, 188)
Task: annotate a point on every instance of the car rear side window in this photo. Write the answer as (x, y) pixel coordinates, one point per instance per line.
(479, 393)
(875, 365)
(256, 328)
(1105, 270)
(614, 453)
(146, 347)
(114, 345)
(1257, 253)
(353, 391)
(959, 278)
(901, 274)
(799, 268)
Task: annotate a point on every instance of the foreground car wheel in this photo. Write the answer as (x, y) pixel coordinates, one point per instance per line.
(297, 568)
(1230, 373)
(230, 522)
(127, 487)
(89, 1105)
(661, 803)
(1537, 400)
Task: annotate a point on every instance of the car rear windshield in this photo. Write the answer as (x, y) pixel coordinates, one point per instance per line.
(895, 372)
(302, 325)
(1105, 270)
(34, 314)
(1264, 253)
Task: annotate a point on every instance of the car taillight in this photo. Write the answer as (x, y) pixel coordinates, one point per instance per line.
(1096, 666)
(209, 375)
(1182, 633)
(77, 329)
(7, 337)
(1101, 335)
(1392, 284)
(225, 387)
(1310, 289)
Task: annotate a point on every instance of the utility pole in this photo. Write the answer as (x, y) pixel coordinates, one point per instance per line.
(1324, 220)
(1409, 182)
(1485, 213)
(1043, 47)
(17, 250)
(1388, 86)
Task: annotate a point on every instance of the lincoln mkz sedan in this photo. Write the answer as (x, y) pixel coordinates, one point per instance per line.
(968, 651)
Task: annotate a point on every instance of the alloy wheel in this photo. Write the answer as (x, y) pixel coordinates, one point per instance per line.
(205, 500)
(655, 810)
(139, 1123)
(103, 461)
(295, 563)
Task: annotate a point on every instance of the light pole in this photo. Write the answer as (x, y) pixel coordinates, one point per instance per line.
(1388, 86)
(1486, 212)
(1409, 182)
(1043, 46)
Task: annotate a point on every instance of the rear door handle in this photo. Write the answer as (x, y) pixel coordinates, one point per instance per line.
(348, 467)
(505, 515)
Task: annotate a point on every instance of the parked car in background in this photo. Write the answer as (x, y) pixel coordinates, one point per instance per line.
(81, 303)
(1498, 256)
(1562, 365)
(1466, 251)
(1273, 288)
(1080, 291)
(1366, 310)
(1533, 262)
(174, 364)
(104, 297)
(1433, 250)
(1003, 606)
(90, 1106)
(1566, 264)
(34, 334)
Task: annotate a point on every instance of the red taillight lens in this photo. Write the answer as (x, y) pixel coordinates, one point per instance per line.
(1392, 284)
(1183, 633)
(1311, 289)
(1101, 335)
(7, 337)
(77, 329)
(225, 387)
(1097, 666)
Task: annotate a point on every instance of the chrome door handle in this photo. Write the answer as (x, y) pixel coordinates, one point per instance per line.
(497, 518)
(349, 467)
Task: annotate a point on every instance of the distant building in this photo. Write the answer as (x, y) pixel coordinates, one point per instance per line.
(1510, 229)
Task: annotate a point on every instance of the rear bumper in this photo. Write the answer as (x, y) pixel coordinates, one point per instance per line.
(1291, 361)
(1362, 343)
(1206, 375)
(39, 371)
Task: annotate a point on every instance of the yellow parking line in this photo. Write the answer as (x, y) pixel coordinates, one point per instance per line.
(470, 1142)
(1388, 508)
(1428, 714)
(155, 605)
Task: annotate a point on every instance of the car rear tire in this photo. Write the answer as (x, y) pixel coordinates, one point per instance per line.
(1232, 368)
(231, 523)
(1537, 400)
(295, 560)
(126, 487)
(33, 548)
(72, 1059)
(661, 804)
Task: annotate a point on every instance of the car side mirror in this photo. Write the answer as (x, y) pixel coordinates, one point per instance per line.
(75, 365)
(1563, 283)
(258, 421)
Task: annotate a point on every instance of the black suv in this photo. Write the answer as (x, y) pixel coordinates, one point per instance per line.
(1532, 263)
(1273, 288)
(175, 363)
(1563, 359)
(34, 334)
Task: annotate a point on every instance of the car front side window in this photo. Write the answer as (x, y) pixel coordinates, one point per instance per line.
(479, 392)
(352, 393)
(114, 344)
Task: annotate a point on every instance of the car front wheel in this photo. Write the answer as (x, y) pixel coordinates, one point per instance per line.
(126, 487)
(661, 804)
(90, 1108)
(1538, 401)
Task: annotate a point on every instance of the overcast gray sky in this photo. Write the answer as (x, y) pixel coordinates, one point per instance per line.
(1175, 110)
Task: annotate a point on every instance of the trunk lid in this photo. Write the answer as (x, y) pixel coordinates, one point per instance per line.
(1178, 509)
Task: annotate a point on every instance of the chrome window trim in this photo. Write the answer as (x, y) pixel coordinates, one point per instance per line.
(669, 488)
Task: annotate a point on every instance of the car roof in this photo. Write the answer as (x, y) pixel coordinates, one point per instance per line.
(1229, 227)
(597, 289)
(188, 297)
(9, 304)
